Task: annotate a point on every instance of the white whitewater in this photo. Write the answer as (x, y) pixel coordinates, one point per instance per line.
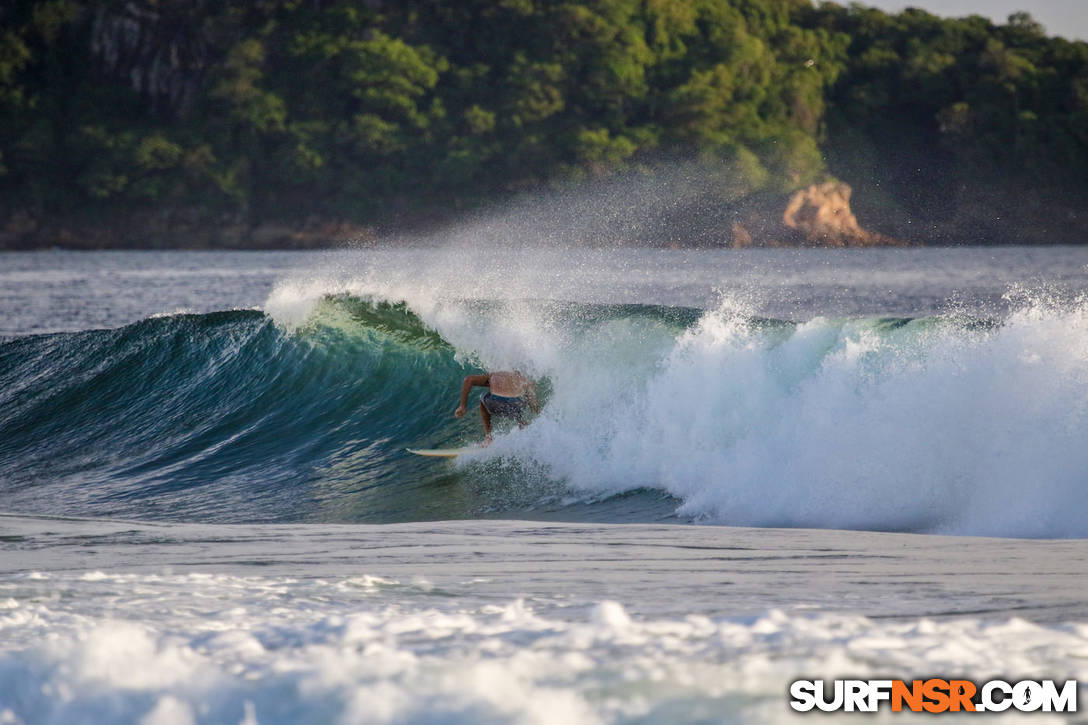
(506, 622)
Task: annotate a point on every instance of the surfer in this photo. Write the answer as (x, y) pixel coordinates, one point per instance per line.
(509, 393)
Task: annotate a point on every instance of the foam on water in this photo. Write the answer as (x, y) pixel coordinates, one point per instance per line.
(167, 649)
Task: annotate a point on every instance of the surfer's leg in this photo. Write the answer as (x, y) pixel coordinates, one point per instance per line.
(485, 416)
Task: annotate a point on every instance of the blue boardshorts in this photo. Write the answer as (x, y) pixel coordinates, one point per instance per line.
(505, 407)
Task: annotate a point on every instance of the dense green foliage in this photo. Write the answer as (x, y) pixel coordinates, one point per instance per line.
(958, 120)
(283, 109)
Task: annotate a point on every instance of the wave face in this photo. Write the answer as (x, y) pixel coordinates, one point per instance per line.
(219, 416)
(302, 413)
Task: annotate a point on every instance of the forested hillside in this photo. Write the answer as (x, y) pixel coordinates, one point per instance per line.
(123, 121)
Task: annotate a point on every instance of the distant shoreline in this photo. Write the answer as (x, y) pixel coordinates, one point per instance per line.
(310, 244)
(822, 215)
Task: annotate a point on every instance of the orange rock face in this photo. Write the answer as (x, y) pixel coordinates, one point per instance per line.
(822, 214)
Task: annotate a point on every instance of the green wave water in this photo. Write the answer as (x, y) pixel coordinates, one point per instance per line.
(228, 417)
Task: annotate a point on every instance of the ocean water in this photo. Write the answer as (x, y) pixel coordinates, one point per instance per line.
(751, 466)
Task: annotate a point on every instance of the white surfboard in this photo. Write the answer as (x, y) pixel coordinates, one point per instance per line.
(440, 452)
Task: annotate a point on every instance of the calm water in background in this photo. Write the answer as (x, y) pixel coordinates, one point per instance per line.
(68, 291)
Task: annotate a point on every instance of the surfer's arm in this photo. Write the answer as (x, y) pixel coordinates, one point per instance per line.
(483, 381)
(530, 396)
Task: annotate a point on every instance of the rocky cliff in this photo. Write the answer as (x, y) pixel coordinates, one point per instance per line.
(821, 213)
(817, 216)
